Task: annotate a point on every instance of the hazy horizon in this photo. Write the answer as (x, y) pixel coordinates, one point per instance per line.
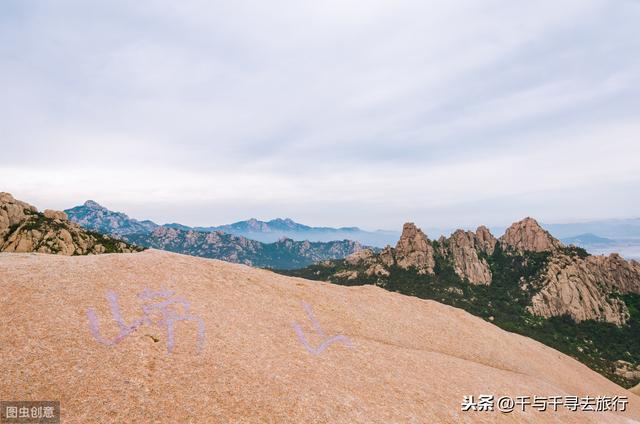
(493, 226)
(332, 114)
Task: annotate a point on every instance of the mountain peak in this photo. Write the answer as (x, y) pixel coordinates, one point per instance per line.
(95, 217)
(92, 204)
(528, 235)
(414, 250)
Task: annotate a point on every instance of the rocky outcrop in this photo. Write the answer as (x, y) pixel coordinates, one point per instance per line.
(372, 263)
(485, 241)
(52, 214)
(414, 250)
(360, 256)
(12, 213)
(627, 370)
(462, 249)
(24, 229)
(528, 236)
(581, 288)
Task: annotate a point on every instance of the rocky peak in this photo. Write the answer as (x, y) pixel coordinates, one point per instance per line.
(95, 217)
(91, 204)
(414, 249)
(53, 214)
(485, 241)
(528, 235)
(462, 247)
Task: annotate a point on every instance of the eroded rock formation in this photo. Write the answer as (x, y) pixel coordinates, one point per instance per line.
(24, 229)
(414, 250)
(462, 248)
(582, 288)
(528, 236)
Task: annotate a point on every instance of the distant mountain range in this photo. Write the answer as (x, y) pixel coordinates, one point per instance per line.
(93, 216)
(588, 239)
(211, 242)
(619, 229)
(602, 237)
(598, 237)
(275, 229)
(283, 254)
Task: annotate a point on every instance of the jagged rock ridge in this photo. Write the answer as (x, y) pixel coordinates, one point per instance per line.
(415, 251)
(96, 217)
(569, 284)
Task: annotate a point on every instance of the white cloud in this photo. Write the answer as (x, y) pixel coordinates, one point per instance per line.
(340, 113)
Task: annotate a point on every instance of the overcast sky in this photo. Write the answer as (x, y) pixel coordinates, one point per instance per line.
(366, 113)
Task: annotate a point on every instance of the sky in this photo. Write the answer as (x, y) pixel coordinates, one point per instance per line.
(338, 113)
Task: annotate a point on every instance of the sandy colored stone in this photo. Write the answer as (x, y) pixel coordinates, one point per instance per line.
(528, 235)
(462, 247)
(411, 360)
(581, 287)
(414, 250)
(360, 257)
(636, 390)
(53, 214)
(12, 212)
(486, 242)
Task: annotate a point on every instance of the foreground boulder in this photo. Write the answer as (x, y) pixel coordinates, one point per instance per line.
(251, 346)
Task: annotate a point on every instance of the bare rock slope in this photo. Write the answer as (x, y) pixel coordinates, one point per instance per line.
(236, 353)
(582, 288)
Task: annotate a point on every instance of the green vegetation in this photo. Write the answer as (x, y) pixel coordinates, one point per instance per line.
(112, 245)
(504, 303)
(37, 221)
(574, 251)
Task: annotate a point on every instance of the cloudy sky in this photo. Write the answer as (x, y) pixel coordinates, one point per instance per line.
(335, 112)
